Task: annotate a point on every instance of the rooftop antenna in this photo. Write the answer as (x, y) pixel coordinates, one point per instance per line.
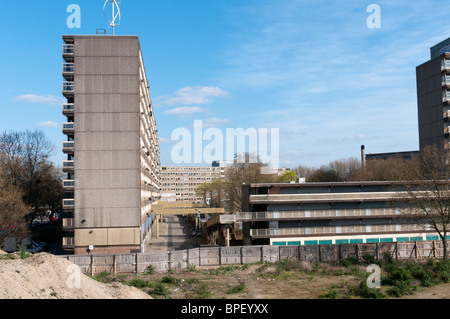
(115, 13)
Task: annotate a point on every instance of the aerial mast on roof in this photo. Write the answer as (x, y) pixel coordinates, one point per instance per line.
(115, 13)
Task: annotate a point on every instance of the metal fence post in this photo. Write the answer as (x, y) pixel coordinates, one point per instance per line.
(92, 265)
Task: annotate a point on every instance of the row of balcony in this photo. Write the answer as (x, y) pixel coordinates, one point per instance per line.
(68, 146)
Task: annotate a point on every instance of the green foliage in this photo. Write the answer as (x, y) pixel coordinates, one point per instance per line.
(287, 177)
(102, 277)
(239, 288)
(139, 283)
(202, 291)
(158, 289)
(170, 280)
(23, 253)
(399, 278)
(150, 270)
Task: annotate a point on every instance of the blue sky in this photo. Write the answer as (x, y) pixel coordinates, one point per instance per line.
(312, 69)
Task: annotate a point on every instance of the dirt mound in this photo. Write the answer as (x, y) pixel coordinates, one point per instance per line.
(46, 276)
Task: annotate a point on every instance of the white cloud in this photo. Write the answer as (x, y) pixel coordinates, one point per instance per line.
(185, 111)
(192, 95)
(214, 122)
(48, 124)
(34, 98)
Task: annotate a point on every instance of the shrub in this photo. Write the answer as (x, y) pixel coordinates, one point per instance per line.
(150, 270)
(139, 283)
(170, 280)
(239, 288)
(159, 289)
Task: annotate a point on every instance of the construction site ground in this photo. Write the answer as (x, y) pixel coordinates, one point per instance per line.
(47, 276)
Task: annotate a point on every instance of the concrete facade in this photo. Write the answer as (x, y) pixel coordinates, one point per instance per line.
(179, 183)
(115, 156)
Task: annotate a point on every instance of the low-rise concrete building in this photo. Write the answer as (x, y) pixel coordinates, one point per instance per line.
(326, 213)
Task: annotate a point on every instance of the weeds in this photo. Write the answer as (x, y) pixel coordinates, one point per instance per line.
(202, 291)
(399, 278)
(239, 288)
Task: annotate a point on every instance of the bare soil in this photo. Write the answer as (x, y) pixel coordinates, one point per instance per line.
(45, 276)
(261, 282)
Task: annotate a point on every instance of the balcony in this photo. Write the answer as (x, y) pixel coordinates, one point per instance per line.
(67, 224)
(68, 204)
(68, 128)
(447, 146)
(68, 147)
(446, 115)
(68, 109)
(68, 71)
(445, 65)
(447, 130)
(68, 242)
(68, 51)
(68, 88)
(446, 80)
(68, 185)
(68, 166)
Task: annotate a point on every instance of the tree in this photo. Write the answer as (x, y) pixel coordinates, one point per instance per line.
(25, 165)
(389, 169)
(202, 190)
(427, 192)
(287, 177)
(246, 169)
(336, 171)
(12, 212)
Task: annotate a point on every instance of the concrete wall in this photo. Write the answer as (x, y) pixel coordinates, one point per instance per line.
(107, 143)
(239, 255)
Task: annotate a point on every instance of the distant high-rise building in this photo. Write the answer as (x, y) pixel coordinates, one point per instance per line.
(179, 183)
(433, 96)
(112, 146)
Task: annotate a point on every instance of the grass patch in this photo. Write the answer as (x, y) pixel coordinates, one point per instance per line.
(238, 288)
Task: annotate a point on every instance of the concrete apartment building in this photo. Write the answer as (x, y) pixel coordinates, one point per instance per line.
(112, 146)
(179, 183)
(325, 213)
(433, 96)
